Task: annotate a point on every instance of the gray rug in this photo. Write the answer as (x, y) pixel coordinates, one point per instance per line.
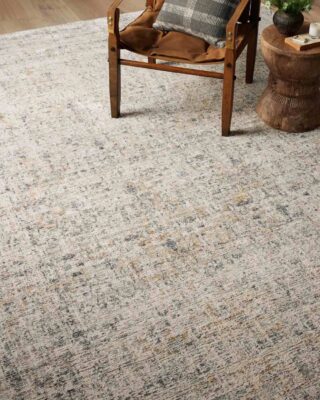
(148, 257)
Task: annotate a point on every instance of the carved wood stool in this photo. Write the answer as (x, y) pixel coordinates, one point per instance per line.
(291, 101)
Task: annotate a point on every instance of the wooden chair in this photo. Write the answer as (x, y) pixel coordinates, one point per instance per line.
(140, 37)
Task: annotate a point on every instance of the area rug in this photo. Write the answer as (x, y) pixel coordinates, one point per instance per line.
(148, 257)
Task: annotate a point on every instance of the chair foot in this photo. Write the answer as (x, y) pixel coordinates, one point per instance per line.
(115, 95)
(249, 79)
(115, 113)
(228, 92)
(115, 86)
(249, 76)
(226, 132)
(227, 112)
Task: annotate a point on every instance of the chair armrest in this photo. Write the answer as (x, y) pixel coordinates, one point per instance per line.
(113, 15)
(231, 30)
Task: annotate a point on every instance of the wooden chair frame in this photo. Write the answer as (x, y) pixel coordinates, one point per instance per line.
(246, 14)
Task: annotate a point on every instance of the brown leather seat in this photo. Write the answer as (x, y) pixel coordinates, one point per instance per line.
(140, 37)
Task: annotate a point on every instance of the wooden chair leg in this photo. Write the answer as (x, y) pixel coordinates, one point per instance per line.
(228, 92)
(251, 55)
(114, 81)
(114, 66)
(152, 60)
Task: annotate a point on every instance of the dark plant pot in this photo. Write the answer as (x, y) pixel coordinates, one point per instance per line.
(288, 24)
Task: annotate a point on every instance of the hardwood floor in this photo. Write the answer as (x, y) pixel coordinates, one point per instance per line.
(16, 15)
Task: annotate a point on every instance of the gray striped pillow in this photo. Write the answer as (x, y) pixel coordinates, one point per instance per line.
(206, 19)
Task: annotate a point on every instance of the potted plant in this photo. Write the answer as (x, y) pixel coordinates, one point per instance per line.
(288, 19)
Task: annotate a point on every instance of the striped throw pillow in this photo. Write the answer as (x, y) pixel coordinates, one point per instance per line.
(206, 19)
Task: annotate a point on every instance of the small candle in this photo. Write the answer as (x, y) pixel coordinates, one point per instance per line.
(314, 29)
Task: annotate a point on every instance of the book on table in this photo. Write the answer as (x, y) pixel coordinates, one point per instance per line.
(302, 42)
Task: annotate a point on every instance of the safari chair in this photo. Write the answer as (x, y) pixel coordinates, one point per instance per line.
(141, 38)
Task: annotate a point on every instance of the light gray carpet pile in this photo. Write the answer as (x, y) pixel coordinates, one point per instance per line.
(148, 257)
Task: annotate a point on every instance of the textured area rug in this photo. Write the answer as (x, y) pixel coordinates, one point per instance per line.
(148, 257)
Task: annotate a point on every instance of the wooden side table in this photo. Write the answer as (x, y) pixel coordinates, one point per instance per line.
(291, 101)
